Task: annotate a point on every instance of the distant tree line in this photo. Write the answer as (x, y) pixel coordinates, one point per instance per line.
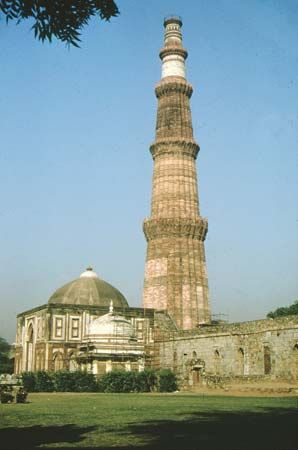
(6, 362)
(284, 311)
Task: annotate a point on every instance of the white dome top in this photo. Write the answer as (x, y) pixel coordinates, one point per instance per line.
(110, 325)
(89, 273)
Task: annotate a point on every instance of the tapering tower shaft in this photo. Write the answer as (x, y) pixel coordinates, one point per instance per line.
(175, 273)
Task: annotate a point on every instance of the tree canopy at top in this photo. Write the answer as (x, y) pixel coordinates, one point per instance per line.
(63, 19)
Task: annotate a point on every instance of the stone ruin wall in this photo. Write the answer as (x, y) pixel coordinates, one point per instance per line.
(249, 350)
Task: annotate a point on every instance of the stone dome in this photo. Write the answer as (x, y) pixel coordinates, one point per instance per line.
(89, 290)
(110, 326)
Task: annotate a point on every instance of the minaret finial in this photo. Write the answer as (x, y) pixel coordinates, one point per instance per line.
(111, 309)
(173, 54)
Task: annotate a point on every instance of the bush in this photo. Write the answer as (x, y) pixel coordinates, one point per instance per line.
(118, 381)
(115, 381)
(29, 381)
(84, 382)
(44, 382)
(167, 381)
(146, 381)
(122, 381)
(21, 396)
(6, 397)
(77, 381)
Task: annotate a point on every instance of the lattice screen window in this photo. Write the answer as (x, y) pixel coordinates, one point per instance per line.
(75, 328)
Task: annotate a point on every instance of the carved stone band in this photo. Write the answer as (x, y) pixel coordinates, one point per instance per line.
(173, 84)
(177, 146)
(175, 227)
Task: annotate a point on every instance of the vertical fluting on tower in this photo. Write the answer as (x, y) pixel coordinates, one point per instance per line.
(175, 273)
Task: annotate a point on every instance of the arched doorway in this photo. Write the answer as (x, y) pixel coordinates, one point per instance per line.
(29, 355)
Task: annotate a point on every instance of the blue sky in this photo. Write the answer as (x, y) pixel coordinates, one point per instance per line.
(75, 167)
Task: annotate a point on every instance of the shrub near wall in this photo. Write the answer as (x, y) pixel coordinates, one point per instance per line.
(60, 381)
(167, 381)
(29, 381)
(115, 381)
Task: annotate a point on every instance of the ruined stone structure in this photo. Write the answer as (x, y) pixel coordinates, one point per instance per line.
(80, 328)
(175, 274)
(254, 350)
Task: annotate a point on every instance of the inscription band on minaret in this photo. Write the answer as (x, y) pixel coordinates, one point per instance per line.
(175, 273)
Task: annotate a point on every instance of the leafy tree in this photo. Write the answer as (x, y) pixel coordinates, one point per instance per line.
(63, 19)
(284, 311)
(6, 363)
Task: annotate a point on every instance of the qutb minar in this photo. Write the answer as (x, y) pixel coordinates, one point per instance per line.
(175, 274)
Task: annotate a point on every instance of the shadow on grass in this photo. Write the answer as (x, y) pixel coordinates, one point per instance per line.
(32, 437)
(269, 429)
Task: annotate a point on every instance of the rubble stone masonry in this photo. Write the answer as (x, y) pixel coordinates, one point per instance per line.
(250, 350)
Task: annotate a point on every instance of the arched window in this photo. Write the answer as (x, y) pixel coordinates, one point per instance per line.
(58, 361)
(73, 366)
(216, 362)
(267, 360)
(240, 361)
(295, 362)
(194, 355)
(29, 355)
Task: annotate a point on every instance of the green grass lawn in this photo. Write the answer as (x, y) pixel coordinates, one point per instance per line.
(144, 421)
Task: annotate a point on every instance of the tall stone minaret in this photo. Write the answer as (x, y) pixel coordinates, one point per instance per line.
(175, 274)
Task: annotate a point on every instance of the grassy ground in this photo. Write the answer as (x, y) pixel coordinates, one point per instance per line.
(144, 421)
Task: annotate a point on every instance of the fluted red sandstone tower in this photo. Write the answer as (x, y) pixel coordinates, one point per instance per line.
(175, 274)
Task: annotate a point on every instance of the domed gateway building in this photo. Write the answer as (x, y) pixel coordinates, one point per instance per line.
(88, 323)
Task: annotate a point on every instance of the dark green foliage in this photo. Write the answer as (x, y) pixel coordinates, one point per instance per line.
(21, 396)
(6, 396)
(63, 19)
(6, 363)
(44, 381)
(64, 381)
(61, 381)
(284, 311)
(167, 381)
(77, 381)
(29, 381)
(122, 381)
(118, 381)
(115, 381)
(146, 381)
